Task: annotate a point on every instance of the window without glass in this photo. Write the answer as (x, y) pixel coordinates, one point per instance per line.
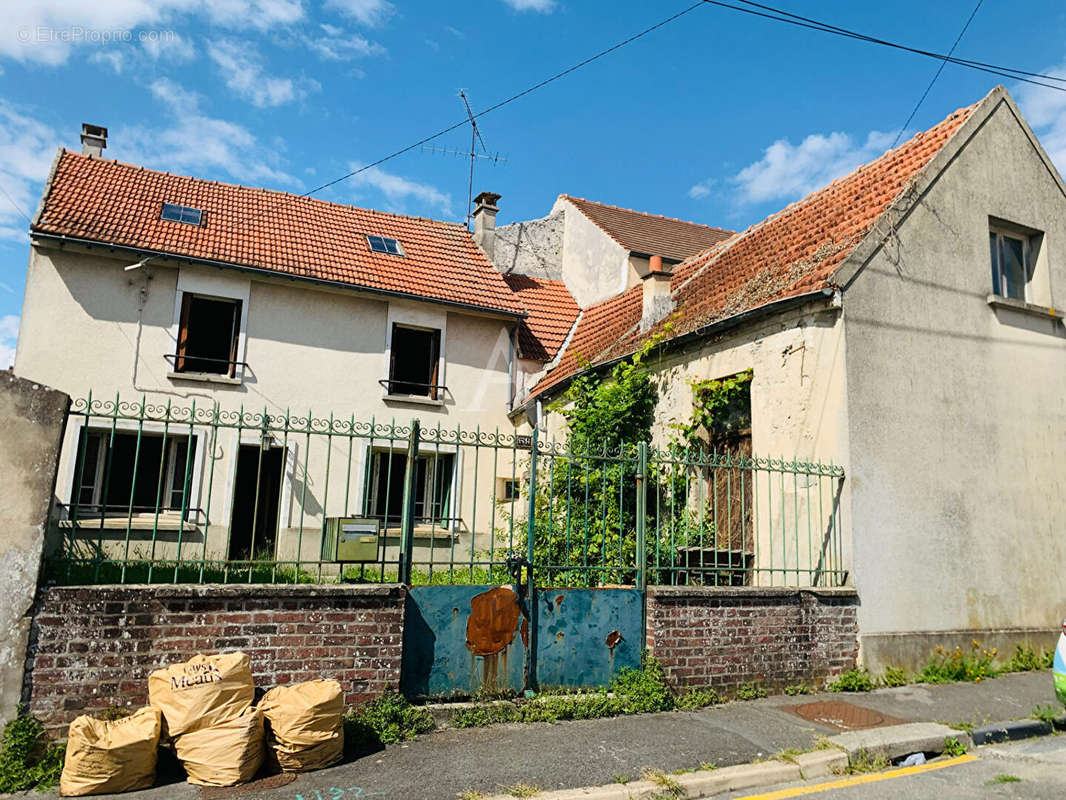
(414, 361)
(433, 488)
(1012, 267)
(119, 476)
(208, 335)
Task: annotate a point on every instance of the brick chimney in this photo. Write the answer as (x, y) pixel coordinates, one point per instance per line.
(657, 300)
(93, 139)
(485, 209)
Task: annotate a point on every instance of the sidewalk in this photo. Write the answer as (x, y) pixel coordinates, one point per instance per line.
(442, 764)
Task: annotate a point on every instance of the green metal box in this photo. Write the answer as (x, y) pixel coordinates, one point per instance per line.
(350, 539)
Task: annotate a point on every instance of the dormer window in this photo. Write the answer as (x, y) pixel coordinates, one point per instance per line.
(186, 214)
(383, 244)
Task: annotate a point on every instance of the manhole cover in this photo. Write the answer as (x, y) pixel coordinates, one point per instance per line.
(842, 716)
(261, 785)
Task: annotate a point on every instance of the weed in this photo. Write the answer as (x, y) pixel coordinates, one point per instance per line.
(953, 747)
(643, 690)
(703, 767)
(789, 754)
(27, 760)
(854, 680)
(523, 790)
(797, 688)
(114, 713)
(1048, 714)
(695, 699)
(622, 779)
(962, 725)
(663, 781)
(1001, 778)
(950, 666)
(864, 762)
(895, 676)
(385, 720)
(750, 691)
(470, 795)
(823, 743)
(1025, 659)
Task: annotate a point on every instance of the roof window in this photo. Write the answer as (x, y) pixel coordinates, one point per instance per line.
(383, 244)
(176, 213)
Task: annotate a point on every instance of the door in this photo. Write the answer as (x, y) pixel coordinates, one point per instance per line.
(256, 496)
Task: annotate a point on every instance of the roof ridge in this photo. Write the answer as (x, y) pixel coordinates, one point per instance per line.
(646, 213)
(264, 189)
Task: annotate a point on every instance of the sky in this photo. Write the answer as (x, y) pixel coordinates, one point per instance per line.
(718, 117)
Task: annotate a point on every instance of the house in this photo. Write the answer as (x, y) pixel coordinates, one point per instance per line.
(182, 293)
(904, 322)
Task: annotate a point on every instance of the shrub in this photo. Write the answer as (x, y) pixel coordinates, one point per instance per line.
(854, 680)
(643, 690)
(27, 759)
(385, 720)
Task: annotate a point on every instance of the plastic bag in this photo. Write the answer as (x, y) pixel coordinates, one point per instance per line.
(108, 757)
(307, 729)
(202, 692)
(225, 754)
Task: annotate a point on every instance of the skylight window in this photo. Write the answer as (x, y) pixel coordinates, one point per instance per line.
(383, 244)
(176, 213)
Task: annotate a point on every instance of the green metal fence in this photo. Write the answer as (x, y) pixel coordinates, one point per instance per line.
(159, 492)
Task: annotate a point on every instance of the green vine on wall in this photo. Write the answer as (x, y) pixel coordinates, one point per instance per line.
(719, 407)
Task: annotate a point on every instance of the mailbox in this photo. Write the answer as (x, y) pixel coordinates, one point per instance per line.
(350, 539)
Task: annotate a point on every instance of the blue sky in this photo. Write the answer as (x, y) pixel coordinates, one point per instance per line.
(720, 118)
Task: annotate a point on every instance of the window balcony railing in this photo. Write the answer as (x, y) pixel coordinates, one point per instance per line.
(400, 388)
(202, 365)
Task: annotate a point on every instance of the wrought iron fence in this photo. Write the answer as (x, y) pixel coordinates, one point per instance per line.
(160, 493)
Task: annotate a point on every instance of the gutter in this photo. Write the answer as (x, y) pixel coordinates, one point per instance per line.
(831, 295)
(62, 240)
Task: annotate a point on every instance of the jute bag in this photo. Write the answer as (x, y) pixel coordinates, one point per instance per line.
(225, 754)
(201, 692)
(108, 757)
(307, 730)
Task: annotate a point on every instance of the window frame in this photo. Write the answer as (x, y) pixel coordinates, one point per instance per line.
(181, 213)
(180, 355)
(997, 233)
(433, 385)
(370, 237)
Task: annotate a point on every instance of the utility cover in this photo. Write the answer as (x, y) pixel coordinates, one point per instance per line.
(841, 715)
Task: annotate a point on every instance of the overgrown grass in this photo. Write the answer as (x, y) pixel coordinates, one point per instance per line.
(854, 680)
(1025, 659)
(388, 719)
(1048, 714)
(864, 762)
(27, 759)
(669, 785)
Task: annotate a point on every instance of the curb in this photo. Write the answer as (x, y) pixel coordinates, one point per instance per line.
(897, 741)
(1016, 729)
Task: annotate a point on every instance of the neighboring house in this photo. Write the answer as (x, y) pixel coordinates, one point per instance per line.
(903, 322)
(183, 290)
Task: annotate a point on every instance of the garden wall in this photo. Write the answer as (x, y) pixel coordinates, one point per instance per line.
(92, 648)
(724, 637)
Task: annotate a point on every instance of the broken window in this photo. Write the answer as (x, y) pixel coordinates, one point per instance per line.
(414, 361)
(121, 473)
(208, 335)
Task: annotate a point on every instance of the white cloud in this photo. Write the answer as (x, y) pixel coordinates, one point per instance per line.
(788, 172)
(539, 6)
(702, 189)
(399, 191)
(173, 48)
(112, 58)
(368, 12)
(27, 148)
(1045, 110)
(9, 334)
(242, 70)
(331, 43)
(198, 144)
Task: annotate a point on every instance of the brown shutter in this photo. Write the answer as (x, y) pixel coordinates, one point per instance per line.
(236, 338)
(392, 360)
(434, 362)
(183, 332)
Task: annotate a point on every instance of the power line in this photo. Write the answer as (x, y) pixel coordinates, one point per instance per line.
(15, 205)
(937, 74)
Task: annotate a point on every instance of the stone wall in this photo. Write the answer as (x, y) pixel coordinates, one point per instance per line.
(723, 637)
(533, 247)
(92, 648)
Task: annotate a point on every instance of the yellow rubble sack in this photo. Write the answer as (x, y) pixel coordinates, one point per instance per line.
(306, 723)
(201, 692)
(225, 754)
(108, 757)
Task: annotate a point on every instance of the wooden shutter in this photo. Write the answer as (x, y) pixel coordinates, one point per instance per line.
(183, 332)
(236, 338)
(434, 363)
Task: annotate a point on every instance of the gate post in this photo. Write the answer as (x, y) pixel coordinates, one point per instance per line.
(407, 520)
(531, 535)
(642, 513)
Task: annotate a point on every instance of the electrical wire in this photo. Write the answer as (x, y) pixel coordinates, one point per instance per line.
(15, 205)
(936, 75)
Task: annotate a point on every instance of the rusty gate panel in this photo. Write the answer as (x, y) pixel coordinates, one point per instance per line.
(585, 636)
(461, 639)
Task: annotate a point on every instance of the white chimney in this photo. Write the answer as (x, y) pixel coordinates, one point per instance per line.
(657, 300)
(485, 209)
(93, 139)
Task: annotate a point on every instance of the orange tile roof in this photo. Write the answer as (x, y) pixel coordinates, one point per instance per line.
(119, 204)
(552, 311)
(790, 253)
(651, 234)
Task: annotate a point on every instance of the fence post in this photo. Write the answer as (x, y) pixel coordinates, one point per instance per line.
(642, 513)
(407, 521)
(531, 535)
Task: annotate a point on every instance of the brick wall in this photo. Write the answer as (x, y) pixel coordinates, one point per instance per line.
(722, 637)
(93, 647)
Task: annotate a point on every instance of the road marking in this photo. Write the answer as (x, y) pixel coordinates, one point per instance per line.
(857, 780)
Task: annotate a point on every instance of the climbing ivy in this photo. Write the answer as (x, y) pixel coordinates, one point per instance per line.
(719, 407)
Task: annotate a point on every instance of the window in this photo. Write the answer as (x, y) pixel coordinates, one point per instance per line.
(1012, 264)
(383, 244)
(208, 335)
(433, 488)
(506, 490)
(110, 486)
(176, 213)
(414, 361)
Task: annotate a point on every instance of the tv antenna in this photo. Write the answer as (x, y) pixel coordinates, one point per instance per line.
(473, 154)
